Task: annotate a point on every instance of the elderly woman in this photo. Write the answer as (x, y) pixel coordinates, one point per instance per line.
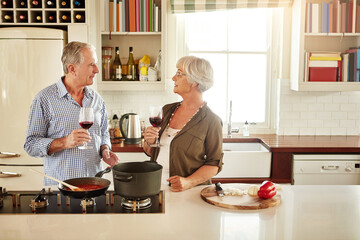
(191, 134)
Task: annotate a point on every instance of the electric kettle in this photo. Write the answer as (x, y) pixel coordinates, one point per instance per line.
(130, 128)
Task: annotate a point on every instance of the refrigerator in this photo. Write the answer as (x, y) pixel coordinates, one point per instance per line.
(30, 60)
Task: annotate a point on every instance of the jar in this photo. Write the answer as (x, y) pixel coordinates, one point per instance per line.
(106, 62)
(106, 51)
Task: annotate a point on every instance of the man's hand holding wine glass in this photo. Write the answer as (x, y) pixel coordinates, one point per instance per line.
(77, 137)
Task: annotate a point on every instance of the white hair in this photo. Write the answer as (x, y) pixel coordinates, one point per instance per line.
(198, 70)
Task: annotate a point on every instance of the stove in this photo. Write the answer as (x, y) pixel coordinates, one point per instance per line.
(54, 202)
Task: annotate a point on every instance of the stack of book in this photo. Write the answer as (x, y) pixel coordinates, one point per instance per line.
(130, 15)
(334, 16)
(323, 67)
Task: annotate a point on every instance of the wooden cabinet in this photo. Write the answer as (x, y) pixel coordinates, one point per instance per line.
(143, 43)
(306, 42)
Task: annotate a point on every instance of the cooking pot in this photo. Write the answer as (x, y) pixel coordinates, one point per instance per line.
(136, 180)
(97, 180)
(130, 128)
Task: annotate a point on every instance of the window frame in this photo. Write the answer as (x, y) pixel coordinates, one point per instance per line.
(274, 59)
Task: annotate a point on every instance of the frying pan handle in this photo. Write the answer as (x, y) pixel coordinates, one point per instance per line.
(123, 177)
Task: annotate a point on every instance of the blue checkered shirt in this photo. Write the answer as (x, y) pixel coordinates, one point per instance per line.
(55, 114)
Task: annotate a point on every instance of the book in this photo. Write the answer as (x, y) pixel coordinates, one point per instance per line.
(308, 17)
(331, 18)
(111, 15)
(345, 67)
(137, 16)
(325, 58)
(343, 17)
(127, 28)
(117, 16)
(322, 74)
(315, 18)
(325, 17)
(147, 16)
(151, 15)
(349, 17)
(306, 67)
(132, 16)
(123, 16)
(352, 64)
(318, 63)
(325, 54)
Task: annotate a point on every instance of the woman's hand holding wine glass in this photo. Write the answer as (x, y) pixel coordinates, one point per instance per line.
(156, 118)
(86, 120)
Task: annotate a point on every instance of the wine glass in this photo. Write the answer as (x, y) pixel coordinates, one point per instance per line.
(156, 118)
(86, 120)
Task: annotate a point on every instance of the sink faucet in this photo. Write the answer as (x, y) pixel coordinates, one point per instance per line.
(229, 135)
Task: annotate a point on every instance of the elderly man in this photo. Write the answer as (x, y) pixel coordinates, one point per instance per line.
(53, 130)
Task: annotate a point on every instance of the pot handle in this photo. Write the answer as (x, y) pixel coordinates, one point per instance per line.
(123, 177)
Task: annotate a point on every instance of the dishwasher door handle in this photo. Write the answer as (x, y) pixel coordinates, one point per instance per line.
(330, 168)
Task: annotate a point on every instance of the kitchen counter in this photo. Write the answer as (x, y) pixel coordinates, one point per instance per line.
(306, 212)
(278, 143)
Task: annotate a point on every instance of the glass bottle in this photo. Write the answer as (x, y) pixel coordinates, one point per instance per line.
(246, 131)
(131, 65)
(116, 67)
(106, 67)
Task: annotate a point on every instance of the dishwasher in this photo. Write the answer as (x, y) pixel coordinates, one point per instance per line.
(326, 169)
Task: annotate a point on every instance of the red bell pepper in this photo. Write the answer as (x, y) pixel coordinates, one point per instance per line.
(267, 190)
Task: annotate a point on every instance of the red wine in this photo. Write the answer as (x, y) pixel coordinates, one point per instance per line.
(155, 121)
(86, 125)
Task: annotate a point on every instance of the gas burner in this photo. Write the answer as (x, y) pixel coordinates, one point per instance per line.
(40, 201)
(89, 202)
(135, 204)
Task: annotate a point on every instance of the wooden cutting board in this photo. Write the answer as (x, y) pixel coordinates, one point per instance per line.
(244, 202)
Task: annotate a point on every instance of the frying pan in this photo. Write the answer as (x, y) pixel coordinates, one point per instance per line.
(86, 180)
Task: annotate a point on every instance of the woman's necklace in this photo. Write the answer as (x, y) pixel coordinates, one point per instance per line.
(173, 134)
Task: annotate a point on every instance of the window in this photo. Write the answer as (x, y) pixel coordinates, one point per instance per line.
(239, 45)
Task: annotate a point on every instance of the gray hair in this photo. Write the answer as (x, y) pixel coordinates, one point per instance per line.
(198, 70)
(72, 54)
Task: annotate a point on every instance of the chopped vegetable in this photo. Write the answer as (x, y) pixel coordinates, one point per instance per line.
(267, 190)
(253, 191)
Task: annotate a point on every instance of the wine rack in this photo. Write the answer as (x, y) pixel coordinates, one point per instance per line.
(41, 12)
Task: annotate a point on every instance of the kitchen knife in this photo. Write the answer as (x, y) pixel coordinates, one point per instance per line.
(219, 190)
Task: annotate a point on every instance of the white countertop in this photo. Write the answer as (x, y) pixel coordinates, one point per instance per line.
(306, 212)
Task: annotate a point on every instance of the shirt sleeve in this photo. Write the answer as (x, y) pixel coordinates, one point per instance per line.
(213, 144)
(105, 136)
(37, 143)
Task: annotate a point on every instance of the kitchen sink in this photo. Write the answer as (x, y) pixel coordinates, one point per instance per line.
(245, 160)
(244, 147)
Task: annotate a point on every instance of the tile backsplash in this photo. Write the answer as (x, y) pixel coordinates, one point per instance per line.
(318, 113)
(299, 113)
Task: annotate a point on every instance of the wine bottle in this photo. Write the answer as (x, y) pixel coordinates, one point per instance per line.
(131, 65)
(65, 4)
(6, 3)
(22, 4)
(35, 4)
(51, 17)
(77, 4)
(22, 17)
(79, 17)
(38, 18)
(116, 66)
(8, 18)
(50, 4)
(65, 17)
